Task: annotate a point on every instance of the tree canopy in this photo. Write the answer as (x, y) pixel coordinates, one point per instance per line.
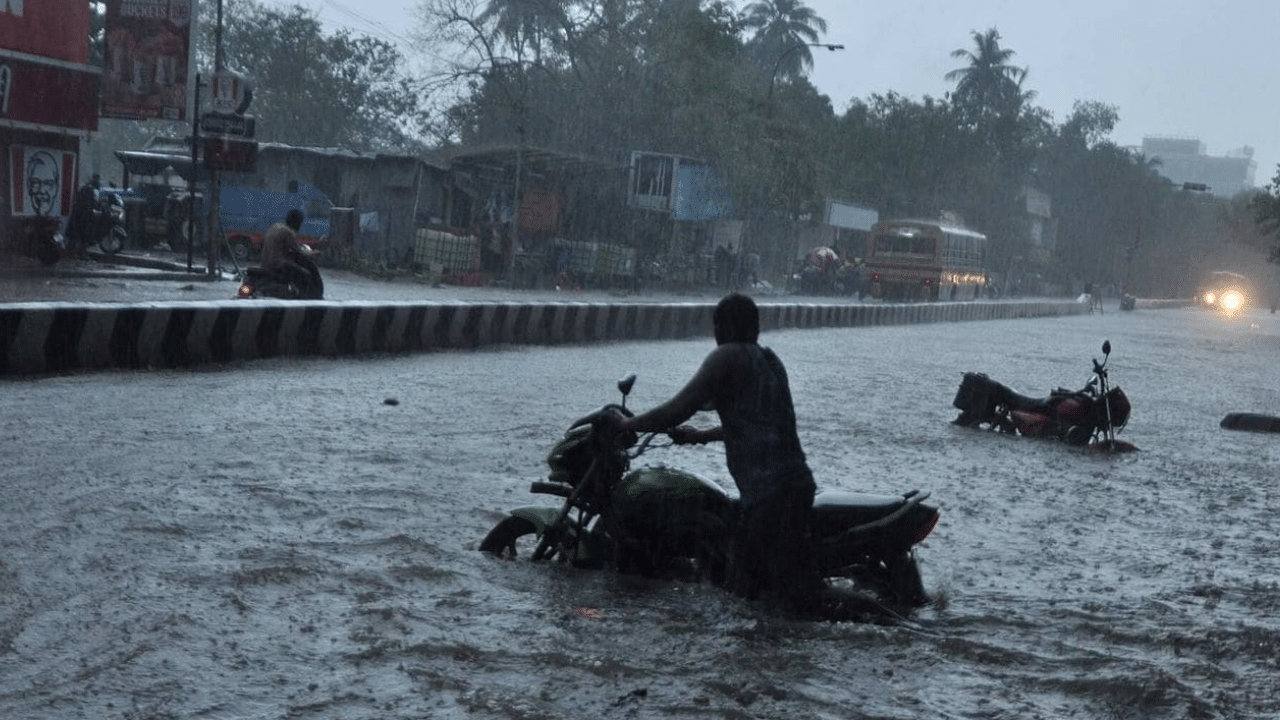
(728, 87)
(314, 88)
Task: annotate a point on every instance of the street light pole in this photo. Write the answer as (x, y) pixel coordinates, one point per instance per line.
(777, 65)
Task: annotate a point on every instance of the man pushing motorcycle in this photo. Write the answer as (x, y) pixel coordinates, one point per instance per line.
(746, 384)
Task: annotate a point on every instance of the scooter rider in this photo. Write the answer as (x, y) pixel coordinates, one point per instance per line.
(747, 386)
(289, 259)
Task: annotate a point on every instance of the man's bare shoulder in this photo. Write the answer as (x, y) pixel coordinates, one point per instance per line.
(729, 358)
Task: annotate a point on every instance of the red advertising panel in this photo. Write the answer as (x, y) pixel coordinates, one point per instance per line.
(42, 180)
(48, 28)
(48, 95)
(147, 59)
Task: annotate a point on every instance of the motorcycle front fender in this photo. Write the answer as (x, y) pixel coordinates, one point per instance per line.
(541, 517)
(592, 547)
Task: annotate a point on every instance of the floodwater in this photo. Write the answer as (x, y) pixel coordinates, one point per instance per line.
(276, 540)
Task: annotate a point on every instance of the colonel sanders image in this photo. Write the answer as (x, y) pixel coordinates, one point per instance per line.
(42, 183)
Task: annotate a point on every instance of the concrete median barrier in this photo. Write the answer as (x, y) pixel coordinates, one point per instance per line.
(54, 338)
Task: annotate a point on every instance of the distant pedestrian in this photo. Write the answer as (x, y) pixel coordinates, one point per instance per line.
(722, 265)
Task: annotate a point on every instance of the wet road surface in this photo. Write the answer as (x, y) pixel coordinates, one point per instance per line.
(275, 540)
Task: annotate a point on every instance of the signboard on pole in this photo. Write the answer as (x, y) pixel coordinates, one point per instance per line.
(223, 124)
(229, 154)
(230, 93)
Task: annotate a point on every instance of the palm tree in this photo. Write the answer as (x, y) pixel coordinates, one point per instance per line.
(989, 84)
(782, 26)
(530, 25)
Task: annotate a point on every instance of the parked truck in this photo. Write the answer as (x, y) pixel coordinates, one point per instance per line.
(157, 192)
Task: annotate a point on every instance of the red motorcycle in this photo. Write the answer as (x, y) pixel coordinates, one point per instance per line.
(1088, 417)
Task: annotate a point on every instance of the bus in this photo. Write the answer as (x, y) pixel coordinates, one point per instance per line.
(925, 260)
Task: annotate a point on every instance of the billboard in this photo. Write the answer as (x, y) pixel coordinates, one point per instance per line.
(56, 29)
(850, 216)
(700, 195)
(42, 180)
(148, 59)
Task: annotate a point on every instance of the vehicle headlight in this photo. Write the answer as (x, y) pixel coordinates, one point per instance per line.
(1232, 300)
(1209, 298)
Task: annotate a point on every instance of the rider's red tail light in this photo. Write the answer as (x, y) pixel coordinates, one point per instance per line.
(923, 529)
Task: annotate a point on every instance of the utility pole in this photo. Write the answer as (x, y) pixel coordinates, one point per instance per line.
(215, 228)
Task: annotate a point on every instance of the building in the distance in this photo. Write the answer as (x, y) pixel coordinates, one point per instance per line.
(1183, 160)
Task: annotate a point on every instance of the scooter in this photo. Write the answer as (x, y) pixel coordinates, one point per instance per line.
(259, 283)
(661, 521)
(105, 229)
(108, 224)
(1088, 417)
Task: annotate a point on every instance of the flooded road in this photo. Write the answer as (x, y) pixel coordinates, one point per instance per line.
(277, 540)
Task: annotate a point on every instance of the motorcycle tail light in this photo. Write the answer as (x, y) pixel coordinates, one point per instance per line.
(923, 529)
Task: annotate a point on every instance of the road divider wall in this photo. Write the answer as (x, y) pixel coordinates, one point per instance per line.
(54, 338)
(1146, 304)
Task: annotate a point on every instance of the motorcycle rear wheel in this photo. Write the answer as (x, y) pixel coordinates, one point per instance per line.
(504, 538)
(48, 252)
(905, 584)
(111, 243)
(894, 580)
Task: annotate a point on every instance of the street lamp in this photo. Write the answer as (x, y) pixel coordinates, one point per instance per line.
(777, 65)
(769, 124)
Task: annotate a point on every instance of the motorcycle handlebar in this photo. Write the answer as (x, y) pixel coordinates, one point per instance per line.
(595, 416)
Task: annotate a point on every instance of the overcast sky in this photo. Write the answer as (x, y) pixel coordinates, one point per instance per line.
(1206, 70)
(1203, 70)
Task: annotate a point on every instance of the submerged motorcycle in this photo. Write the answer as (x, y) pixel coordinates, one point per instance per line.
(659, 520)
(1088, 417)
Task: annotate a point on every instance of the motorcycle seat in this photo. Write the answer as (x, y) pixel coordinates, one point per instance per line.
(844, 499)
(834, 511)
(1018, 401)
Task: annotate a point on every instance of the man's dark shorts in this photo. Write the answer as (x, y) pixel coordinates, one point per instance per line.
(773, 552)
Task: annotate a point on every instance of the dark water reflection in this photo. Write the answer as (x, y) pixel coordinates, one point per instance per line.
(172, 547)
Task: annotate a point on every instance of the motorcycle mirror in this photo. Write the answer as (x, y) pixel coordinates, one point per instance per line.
(624, 385)
(1106, 347)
